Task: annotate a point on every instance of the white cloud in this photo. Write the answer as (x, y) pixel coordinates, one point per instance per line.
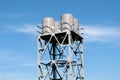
(92, 33)
(101, 34)
(24, 29)
(29, 29)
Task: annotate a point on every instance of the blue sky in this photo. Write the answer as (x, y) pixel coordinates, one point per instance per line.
(18, 47)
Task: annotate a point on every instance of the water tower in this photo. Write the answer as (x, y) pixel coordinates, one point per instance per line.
(60, 49)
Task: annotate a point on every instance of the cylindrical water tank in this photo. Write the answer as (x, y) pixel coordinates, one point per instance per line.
(48, 24)
(76, 25)
(57, 27)
(67, 22)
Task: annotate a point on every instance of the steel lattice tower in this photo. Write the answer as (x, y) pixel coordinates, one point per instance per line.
(60, 56)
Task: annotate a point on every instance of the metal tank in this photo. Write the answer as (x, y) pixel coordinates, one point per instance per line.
(57, 27)
(76, 25)
(67, 22)
(48, 24)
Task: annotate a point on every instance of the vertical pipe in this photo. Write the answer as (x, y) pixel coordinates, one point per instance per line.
(38, 45)
(82, 60)
(70, 56)
(54, 58)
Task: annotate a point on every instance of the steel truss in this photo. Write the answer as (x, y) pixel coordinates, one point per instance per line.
(60, 56)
